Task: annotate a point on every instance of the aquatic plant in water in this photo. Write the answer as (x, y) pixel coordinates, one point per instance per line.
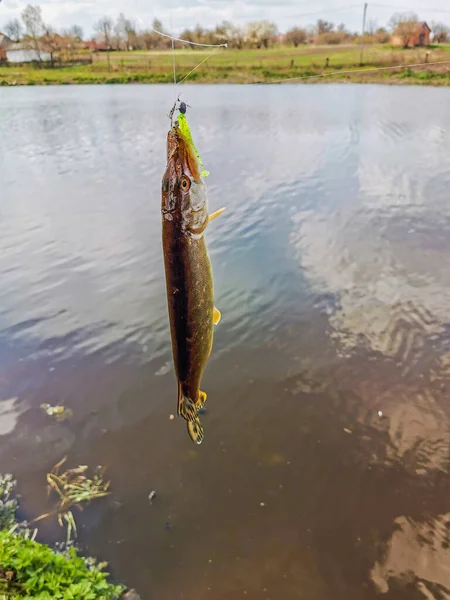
(73, 488)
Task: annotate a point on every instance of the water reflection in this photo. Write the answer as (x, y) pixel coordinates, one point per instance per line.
(417, 556)
(327, 419)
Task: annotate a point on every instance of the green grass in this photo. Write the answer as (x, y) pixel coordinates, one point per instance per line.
(241, 66)
(33, 570)
(29, 569)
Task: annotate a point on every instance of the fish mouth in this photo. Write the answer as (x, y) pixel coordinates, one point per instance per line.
(182, 153)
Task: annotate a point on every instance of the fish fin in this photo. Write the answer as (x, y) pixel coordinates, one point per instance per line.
(201, 400)
(195, 430)
(186, 406)
(215, 214)
(216, 316)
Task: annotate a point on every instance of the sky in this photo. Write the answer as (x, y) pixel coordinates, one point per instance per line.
(187, 13)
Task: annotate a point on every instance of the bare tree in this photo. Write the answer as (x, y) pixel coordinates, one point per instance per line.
(441, 33)
(76, 32)
(130, 32)
(119, 32)
(150, 39)
(13, 29)
(104, 26)
(52, 42)
(324, 27)
(295, 36)
(372, 27)
(404, 26)
(34, 27)
(125, 31)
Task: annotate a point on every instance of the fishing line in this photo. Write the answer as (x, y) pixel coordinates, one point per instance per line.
(175, 39)
(199, 64)
(442, 62)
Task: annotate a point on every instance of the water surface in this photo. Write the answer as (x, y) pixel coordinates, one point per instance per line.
(325, 467)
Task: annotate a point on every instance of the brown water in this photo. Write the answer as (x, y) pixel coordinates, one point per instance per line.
(324, 473)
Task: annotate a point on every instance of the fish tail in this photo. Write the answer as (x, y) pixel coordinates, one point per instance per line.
(186, 407)
(195, 430)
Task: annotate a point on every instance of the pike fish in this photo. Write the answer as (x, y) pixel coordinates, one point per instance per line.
(189, 280)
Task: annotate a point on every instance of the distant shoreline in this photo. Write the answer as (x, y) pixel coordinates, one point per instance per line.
(436, 81)
(301, 65)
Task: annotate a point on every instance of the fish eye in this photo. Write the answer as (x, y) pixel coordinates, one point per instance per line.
(185, 183)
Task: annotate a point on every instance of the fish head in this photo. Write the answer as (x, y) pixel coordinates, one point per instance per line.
(184, 196)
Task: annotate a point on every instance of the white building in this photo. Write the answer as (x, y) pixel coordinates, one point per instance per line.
(18, 54)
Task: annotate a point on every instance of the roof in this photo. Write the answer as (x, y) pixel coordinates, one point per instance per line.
(426, 25)
(5, 40)
(17, 46)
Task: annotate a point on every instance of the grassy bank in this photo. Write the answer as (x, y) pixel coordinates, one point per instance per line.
(243, 66)
(29, 569)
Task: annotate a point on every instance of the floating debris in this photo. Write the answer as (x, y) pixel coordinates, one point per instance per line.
(380, 413)
(151, 496)
(347, 430)
(73, 488)
(131, 595)
(60, 413)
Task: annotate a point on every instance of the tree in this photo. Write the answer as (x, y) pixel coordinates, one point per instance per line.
(372, 27)
(125, 32)
(235, 35)
(261, 33)
(404, 26)
(34, 27)
(52, 42)
(120, 34)
(130, 34)
(76, 32)
(382, 36)
(324, 27)
(104, 26)
(441, 33)
(295, 36)
(13, 29)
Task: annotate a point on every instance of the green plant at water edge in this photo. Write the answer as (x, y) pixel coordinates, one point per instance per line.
(29, 569)
(8, 505)
(73, 488)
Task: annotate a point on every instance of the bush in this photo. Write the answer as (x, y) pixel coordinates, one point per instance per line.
(36, 571)
(333, 37)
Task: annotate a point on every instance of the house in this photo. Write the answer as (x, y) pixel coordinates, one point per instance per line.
(21, 53)
(410, 35)
(5, 43)
(94, 46)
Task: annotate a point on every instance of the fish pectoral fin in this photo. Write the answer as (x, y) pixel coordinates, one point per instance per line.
(201, 400)
(216, 316)
(215, 214)
(186, 406)
(195, 430)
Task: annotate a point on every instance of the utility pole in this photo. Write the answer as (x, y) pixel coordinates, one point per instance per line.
(363, 33)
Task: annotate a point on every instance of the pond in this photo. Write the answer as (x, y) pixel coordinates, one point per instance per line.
(324, 472)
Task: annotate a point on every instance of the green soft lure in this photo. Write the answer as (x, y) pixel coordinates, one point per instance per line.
(185, 130)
